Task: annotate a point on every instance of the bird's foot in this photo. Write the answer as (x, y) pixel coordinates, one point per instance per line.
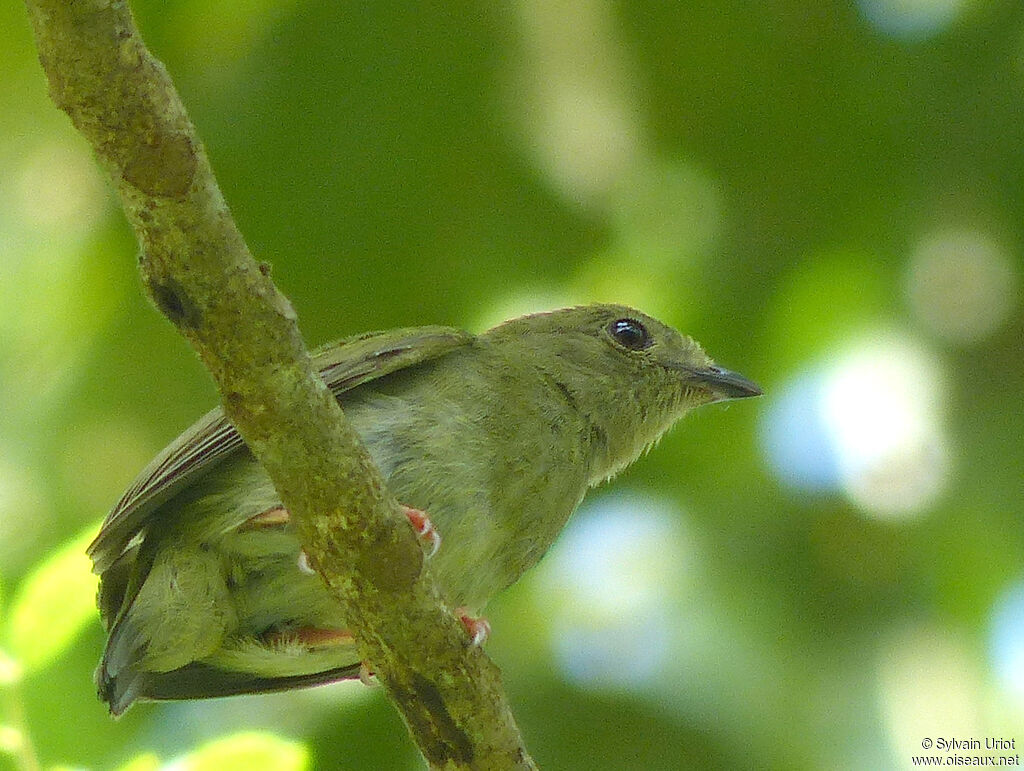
(277, 516)
(303, 562)
(429, 537)
(367, 676)
(478, 628)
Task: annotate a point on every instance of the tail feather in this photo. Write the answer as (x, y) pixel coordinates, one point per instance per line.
(119, 691)
(118, 679)
(201, 681)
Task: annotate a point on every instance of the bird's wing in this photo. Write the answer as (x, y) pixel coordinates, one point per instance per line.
(212, 438)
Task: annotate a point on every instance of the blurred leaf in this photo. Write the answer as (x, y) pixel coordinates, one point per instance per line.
(52, 605)
(10, 669)
(11, 740)
(148, 761)
(827, 298)
(250, 751)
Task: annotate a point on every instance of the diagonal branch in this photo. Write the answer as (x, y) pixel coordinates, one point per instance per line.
(199, 273)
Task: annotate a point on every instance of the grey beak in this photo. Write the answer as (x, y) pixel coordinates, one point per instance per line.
(725, 384)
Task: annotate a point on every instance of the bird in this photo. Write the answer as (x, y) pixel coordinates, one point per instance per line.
(489, 440)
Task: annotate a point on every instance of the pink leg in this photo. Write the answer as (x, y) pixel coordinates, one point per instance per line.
(424, 528)
(311, 637)
(477, 626)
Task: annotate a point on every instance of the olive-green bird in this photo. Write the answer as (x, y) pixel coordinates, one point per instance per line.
(497, 437)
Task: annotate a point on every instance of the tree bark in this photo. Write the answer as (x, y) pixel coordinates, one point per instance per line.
(199, 273)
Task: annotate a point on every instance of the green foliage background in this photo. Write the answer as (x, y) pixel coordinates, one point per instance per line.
(759, 175)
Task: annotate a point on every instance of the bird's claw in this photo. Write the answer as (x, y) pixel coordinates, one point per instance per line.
(478, 628)
(429, 537)
(367, 676)
(304, 565)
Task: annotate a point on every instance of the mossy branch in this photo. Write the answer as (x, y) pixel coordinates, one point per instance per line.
(198, 270)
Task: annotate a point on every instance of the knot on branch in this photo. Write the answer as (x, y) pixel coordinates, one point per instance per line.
(173, 301)
(162, 167)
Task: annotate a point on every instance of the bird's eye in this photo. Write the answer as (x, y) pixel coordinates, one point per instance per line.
(630, 334)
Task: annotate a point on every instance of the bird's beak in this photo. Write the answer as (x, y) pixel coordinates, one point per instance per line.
(724, 384)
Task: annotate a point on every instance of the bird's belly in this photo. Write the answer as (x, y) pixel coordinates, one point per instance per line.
(444, 468)
(480, 553)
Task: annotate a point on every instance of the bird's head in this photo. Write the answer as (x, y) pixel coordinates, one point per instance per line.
(630, 375)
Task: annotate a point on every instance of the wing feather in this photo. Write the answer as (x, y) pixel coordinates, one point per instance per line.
(211, 439)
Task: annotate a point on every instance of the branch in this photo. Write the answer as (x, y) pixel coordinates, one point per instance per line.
(199, 273)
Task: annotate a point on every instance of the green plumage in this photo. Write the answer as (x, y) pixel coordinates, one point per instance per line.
(496, 437)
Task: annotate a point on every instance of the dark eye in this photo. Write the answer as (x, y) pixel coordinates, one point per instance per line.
(630, 334)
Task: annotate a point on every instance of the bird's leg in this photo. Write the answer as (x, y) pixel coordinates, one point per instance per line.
(313, 637)
(421, 524)
(478, 628)
(278, 515)
(429, 537)
(304, 565)
(310, 637)
(367, 676)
